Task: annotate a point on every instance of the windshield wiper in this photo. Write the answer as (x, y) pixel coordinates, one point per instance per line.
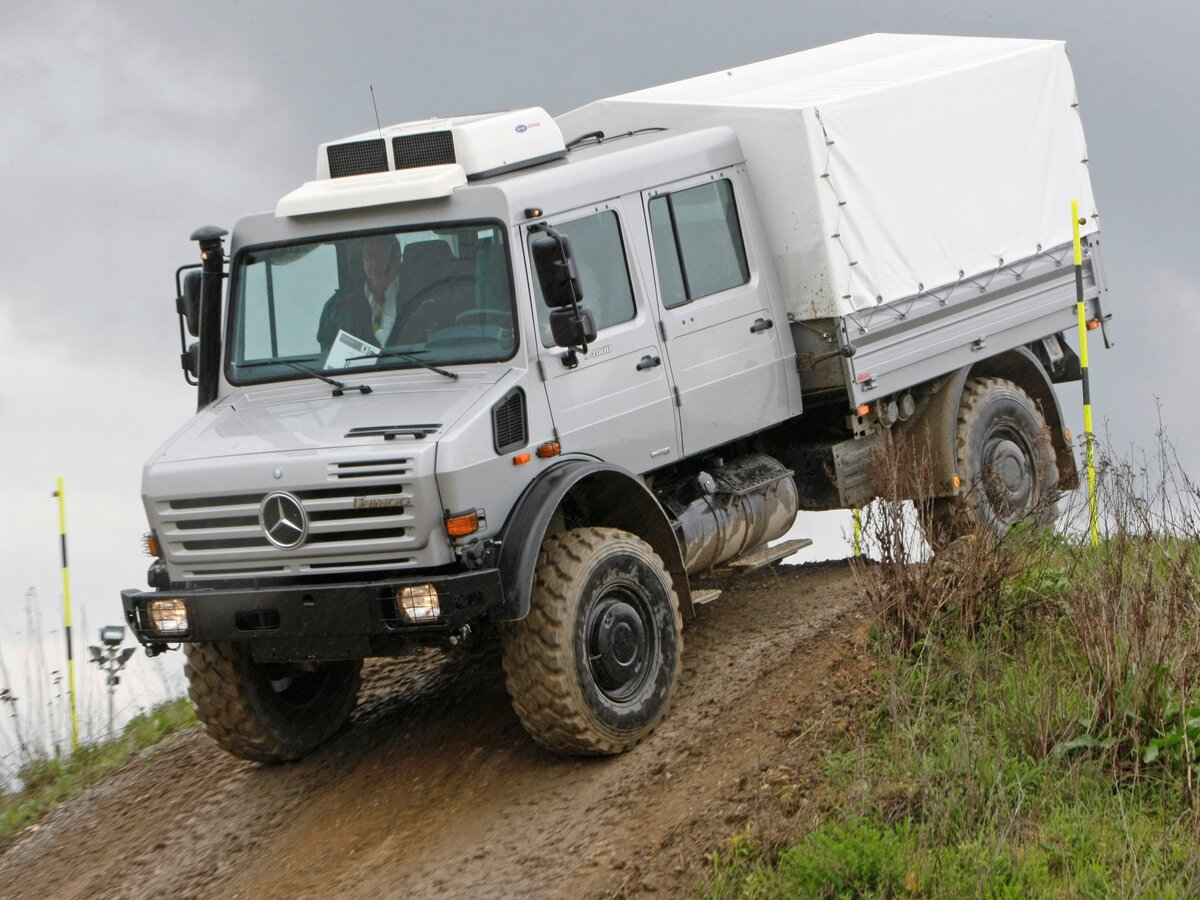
(407, 356)
(339, 388)
(259, 363)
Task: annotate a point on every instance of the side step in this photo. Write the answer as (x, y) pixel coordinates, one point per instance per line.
(707, 595)
(768, 555)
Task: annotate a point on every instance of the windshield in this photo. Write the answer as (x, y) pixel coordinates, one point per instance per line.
(404, 299)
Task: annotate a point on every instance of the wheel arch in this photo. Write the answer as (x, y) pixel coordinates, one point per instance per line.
(932, 433)
(611, 497)
(1024, 369)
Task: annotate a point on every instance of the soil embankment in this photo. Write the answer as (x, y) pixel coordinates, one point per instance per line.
(435, 790)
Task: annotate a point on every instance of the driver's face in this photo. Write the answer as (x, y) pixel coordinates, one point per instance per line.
(379, 260)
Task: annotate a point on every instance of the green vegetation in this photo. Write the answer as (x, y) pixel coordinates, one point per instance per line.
(1034, 728)
(47, 782)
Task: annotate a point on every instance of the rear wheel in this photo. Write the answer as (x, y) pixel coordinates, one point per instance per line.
(592, 668)
(268, 712)
(1005, 460)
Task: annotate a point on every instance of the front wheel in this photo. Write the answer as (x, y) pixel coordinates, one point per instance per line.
(269, 712)
(1005, 461)
(592, 668)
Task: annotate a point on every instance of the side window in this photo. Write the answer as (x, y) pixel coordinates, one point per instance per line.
(603, 272)
(698, 247)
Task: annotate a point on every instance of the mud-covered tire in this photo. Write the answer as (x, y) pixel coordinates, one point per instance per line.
(1005, 460)
(268, 712)
(592, 668)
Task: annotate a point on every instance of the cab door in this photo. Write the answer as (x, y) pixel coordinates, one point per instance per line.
(720, 334)
(614, 402)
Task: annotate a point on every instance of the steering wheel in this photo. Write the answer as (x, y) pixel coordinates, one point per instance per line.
(439, 283)
(422, 296)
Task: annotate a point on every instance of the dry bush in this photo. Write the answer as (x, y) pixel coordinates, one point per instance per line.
(918, 595)
(1135, 614)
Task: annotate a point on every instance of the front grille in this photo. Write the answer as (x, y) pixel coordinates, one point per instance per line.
(357, 158)
(433, 148)
(350, 520)
(509, 430)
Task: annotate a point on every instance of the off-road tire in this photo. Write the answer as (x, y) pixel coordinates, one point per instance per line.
(592, 668)
(252, 711)
(1005, 460)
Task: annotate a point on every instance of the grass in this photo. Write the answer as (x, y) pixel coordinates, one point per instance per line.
(48, 781)
(1034, 728)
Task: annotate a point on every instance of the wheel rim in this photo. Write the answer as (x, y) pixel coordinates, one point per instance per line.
(1010, 480)
(621, 643)
(296, 686)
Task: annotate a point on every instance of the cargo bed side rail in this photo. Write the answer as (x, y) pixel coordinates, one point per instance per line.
(902, 344)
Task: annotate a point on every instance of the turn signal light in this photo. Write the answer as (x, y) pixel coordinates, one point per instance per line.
(1093, 324)
(521, 458)
(862, 410)
(150, 544)
(462, 524)
(549, 449)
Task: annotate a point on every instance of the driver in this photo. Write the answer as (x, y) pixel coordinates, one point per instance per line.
(369, 314)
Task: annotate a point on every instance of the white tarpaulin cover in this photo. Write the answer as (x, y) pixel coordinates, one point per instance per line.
(890, 162)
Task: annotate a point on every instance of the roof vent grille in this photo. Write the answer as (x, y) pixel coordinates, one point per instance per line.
(415, 151)
(357, 158)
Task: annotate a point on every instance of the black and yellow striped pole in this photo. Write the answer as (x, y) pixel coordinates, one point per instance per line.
(66, 572)
(1089, 440)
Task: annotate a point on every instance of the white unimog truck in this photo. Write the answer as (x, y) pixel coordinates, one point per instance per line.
(570, 374)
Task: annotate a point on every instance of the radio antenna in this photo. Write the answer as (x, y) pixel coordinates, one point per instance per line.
(373, 104)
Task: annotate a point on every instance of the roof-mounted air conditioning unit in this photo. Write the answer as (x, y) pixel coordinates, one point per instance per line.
(422, 160)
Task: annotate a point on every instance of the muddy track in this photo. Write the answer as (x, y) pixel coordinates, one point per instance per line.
(435, 790)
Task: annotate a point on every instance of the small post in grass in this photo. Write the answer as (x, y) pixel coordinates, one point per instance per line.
(62, 535)
(1089, 441)
(857, 532)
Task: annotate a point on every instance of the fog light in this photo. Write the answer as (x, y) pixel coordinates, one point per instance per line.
(419, 603)
(168, 617)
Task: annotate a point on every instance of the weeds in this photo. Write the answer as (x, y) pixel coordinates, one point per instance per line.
(1037, 728)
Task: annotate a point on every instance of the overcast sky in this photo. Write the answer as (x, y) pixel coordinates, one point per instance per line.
(126, 125)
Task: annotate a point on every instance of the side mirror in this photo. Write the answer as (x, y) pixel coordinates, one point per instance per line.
(189, 360)
(573, 327)
(188, 303)
(555, 265)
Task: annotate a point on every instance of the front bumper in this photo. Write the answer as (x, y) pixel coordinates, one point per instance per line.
(318, 621)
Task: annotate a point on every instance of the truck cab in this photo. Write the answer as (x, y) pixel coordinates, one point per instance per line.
(368, 462)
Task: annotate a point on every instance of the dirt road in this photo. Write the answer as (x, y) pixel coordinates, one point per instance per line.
(435, 790)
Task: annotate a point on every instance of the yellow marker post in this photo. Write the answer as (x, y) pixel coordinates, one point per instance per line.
(857, 531)
(62, 535)
(1089, 441)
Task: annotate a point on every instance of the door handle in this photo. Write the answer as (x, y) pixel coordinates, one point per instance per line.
(761, 325)
(649, 362)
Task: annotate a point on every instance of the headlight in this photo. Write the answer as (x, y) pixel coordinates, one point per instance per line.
(419, 603)
(168, 617)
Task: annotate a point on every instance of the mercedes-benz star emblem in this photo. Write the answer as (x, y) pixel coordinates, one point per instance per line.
(284, 520)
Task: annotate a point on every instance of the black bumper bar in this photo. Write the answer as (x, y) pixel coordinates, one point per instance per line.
(318, 621)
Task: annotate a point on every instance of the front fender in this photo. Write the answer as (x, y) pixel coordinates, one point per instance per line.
(601, 495)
